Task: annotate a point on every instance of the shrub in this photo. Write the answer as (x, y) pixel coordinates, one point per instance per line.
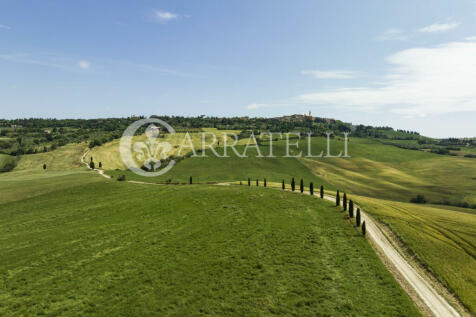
(293, 185)
(301, 186)
(344, 202)
(100, 164)
(311, 188)
(257, 182)
(364, 229)
(419, 199)
(264, 183)
(191, 180)
(322, 191)
(283, 185)
(249, 182)
(91, 165)
(8, 166)
(337, 198)
(121, 178)
(351, 209)
(44, 166)
(240, 183)
(357, 218)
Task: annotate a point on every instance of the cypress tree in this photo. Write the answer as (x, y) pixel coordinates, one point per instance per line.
(322, 191)
(293, 185)
(240, 183)
(301, 186)
(190, 180)
(264, 184)
(44, 166)
(91, 164)
(311, 188)
(364, 229)
(256, 182)
(337, 198)
(351, 208)
(357, 218)
(249, 182)
(91, 159)
(283, 186)
(100, 164)
(344, 202)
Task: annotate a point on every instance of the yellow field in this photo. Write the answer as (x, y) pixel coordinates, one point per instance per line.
(442, 238)
(108, 153)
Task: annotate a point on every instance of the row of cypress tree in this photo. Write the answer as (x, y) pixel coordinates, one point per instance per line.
(351, 211)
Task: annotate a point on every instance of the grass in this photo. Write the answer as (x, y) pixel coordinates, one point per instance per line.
(444, 239)
(385, 171)
(233, 168)
(63, 159)
(28, 179)
(113, 248)
(108, 154)
(374, 170)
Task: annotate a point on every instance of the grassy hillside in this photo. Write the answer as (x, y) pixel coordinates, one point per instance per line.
(112, 248)
(374, 169)
(232, 168)
(108, 154)
(385, 171)
(443, 239)
(28, 179)
(63, 159)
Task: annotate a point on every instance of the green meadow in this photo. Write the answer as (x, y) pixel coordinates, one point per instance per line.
(102, 247)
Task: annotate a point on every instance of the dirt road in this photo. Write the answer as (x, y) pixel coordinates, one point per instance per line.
(435, 302)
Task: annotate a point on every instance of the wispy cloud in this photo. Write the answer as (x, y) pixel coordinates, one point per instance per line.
(439, 27)
(330, 74)
(165, 16)
(392, 34)
(66, 63)
(151, 68)
(84, 64)
(5, 27)
(31, 60)
(421, 81)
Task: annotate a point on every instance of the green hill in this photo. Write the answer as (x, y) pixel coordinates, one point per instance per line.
(115, 248)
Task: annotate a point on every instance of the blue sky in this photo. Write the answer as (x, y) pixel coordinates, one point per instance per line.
(406, 64)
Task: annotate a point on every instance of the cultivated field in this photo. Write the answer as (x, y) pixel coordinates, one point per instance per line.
(444, 240)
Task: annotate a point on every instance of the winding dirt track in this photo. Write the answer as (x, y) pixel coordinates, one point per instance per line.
(435, 302)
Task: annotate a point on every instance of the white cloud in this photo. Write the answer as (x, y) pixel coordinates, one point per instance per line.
(5, 27)
(438, 28)
(84, 64)
(421, 81)
(392, 34)
(165, 16)
(330, 74)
